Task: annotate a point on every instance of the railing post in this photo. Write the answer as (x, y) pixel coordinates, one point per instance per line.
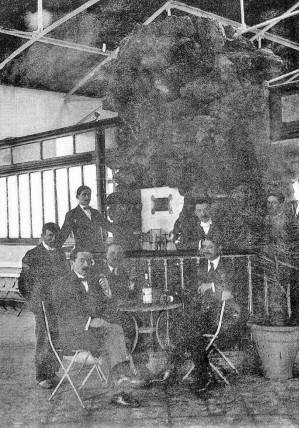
(289, 300)
(250, 302)
(266, 300)
(182, 272)
(165, 274)
(149, 269)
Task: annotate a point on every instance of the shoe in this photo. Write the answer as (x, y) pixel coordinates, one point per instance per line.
(124, 400)
(131, 381)
(46, 384)
(169, 377)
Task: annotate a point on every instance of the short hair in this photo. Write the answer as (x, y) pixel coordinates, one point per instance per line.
(111, 243)
(81, 189)
(75, 251)
(52, 227)
(278, 195)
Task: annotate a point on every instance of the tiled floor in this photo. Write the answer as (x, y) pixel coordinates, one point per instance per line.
(250, 402)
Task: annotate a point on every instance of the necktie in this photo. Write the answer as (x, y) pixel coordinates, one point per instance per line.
(212, 269)
(87, 212)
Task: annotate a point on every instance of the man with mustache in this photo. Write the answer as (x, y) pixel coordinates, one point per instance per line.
(85, 321)
(202, 304)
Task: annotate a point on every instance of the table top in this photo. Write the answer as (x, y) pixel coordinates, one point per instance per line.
(150, 307)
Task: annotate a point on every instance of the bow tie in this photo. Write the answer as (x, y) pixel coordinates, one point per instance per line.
(86, 208)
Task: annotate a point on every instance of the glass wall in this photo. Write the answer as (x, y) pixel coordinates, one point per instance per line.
(44, 194)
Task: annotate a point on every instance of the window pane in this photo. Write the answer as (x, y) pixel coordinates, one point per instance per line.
(49, 196)
(36, 203)
(5, 157)
(64, 146)
(26, 153)
(12, 186)
(24, 197)
(75, 178)
(3, 209)
(109, 173)
(49, 149)
(62, 194)
(90, 179)
(85, 142)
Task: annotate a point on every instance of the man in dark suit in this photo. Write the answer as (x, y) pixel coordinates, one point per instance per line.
(87, 224)
(85, 320)
(202, 305)
(190, 230)
(41, 266)
(116, 281)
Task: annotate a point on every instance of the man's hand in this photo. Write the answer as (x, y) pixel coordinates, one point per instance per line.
(98, 323)
(205, 286)
(226, 295)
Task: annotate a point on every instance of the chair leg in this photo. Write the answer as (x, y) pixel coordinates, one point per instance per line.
(225, 358)
(221, 375)
(66, 376)
(189, 371)
(132, 365)
(96, 366)
(100, 372)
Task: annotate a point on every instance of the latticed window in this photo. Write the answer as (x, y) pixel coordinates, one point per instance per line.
(39, 179)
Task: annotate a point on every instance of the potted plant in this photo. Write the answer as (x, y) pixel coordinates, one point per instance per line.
(275, 333)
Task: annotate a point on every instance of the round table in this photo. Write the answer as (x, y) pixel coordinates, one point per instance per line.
(160, 327)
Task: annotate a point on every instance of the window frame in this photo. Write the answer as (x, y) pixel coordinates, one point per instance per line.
(96, 158)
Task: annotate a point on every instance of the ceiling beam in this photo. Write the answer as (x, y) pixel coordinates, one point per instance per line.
(172, 4)
(279, 18)
(226, 21)
(55, 42)
(91, 74)
(113, 54)
(40, 21)
(262, 24)
(158, 12)
(47, 30)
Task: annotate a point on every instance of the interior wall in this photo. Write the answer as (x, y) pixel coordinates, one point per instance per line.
(30, 111)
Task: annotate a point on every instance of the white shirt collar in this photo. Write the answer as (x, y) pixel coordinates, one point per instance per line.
(206, 223)
(47, 247)
(83, 280)
(215, 262)
(112, 269)
(83, 207)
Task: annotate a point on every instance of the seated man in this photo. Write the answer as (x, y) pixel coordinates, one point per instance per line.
(116, 282)
(202, 305)
(84, 321)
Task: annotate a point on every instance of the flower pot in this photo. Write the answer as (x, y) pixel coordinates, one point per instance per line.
(277, 348)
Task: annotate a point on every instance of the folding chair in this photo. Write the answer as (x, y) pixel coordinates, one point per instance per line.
(213, 348)
(80, 356)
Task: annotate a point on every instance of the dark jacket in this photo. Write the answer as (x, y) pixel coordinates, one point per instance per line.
(40, 269)
(89, 234)
(73, 307)
(188, 232)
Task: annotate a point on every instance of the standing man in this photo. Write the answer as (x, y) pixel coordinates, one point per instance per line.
(190, 229)
(41, 267)
(87, 224)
